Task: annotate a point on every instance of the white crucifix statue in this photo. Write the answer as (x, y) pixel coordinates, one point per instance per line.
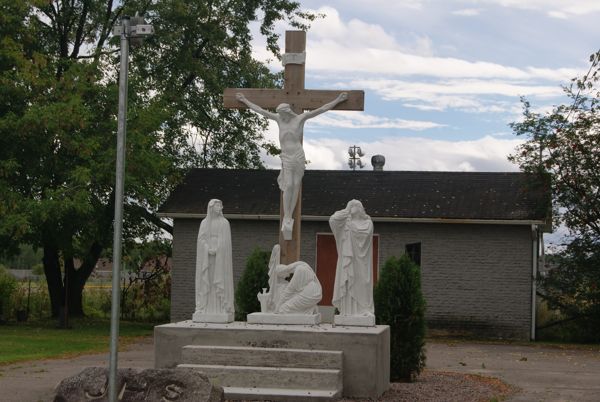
(293, 106)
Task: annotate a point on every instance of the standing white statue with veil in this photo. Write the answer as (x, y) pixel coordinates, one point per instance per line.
(291, 131)
(214, 268)
(353, 288)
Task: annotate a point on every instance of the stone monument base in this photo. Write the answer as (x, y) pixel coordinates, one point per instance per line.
(284, 319)
(355, 320)
(213, 318)
(365, 354)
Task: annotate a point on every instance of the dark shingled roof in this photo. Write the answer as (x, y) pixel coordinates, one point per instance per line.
(389, 194)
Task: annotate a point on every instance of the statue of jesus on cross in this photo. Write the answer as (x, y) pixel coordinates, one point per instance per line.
(293, 105)
(291, 127)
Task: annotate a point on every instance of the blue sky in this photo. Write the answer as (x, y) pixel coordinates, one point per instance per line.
(442, 79)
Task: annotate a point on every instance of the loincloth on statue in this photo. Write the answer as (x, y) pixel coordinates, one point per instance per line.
(293, 164)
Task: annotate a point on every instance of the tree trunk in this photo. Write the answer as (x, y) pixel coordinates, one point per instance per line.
(75, 300)
(53, 278)
(73, 288)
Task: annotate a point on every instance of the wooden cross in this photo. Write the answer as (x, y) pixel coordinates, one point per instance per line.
(299, 99)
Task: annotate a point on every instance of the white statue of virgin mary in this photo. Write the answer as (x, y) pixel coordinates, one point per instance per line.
(214, 268)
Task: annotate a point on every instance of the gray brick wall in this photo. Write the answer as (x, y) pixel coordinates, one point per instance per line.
(476, 278)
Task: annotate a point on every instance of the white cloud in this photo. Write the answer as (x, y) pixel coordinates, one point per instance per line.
(362, 120)
(558, 14)
(467, 12)
(488, 153)
(460, 94)
(411, 153)
(356, 47)
(554, 8)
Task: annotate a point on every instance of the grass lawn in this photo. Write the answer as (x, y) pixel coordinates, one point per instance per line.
(42, 340)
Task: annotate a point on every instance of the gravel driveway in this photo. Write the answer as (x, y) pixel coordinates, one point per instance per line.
(35, 381)
(542, 373)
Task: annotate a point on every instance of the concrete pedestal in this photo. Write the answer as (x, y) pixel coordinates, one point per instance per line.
(285, 319)
(355, 320)
(214, 318)
(366, 350)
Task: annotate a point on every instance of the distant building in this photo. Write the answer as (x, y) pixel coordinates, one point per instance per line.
(476, 236)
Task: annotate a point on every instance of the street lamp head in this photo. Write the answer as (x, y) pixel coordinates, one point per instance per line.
(141, 30)
(135, 28)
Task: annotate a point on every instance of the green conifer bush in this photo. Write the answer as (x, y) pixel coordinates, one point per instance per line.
(399, 303)
(253, 280)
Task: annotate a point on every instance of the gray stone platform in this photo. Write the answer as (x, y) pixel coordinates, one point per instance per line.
(284, 319)
(364, 352)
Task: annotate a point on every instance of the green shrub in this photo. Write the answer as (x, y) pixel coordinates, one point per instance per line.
(399, 303)
(8, 286)
(253, 280)
(97, 300)
(38, 269)
(147, 300)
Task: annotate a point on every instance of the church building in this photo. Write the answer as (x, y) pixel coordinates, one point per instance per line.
(476, 236)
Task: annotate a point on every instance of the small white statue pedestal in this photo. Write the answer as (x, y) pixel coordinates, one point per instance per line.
(284, 319)
(355, 320)
(222, 318)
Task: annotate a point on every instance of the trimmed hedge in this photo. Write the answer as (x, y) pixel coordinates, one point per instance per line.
(399, 303)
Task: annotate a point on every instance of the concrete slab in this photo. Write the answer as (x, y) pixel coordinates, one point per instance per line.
(214, 318)
(277, 394)
(366, 350)
(266, 357)
(270, 377)
(355, 320)
(284, 319)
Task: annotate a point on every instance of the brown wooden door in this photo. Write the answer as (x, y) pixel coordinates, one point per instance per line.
(327, 260)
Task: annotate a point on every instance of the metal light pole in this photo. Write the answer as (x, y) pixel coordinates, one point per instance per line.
(354, 159)
(129, 29)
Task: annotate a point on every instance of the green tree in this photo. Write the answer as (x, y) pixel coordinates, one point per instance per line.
(253, 280)
(58, 73)
(565, 144)
(399, 303)
(8, 285)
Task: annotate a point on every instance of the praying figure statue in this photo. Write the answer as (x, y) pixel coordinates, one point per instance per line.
(214, 268)
(291, 126)
(353, 288)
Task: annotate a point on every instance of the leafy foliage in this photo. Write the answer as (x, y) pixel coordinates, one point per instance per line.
(28, 258)
(58, 80)
(399, 303)
(146, 291)
(565, 143)
(8, 285)
(253, 280)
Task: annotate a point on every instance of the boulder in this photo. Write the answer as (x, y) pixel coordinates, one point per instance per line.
(161, 385)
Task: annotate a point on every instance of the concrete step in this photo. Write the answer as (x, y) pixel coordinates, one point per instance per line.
(263, 357)
(271, 377)
(278, 394)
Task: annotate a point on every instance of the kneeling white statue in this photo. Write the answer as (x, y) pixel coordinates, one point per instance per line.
(289, 302)
(214, 268)
(353, 288)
